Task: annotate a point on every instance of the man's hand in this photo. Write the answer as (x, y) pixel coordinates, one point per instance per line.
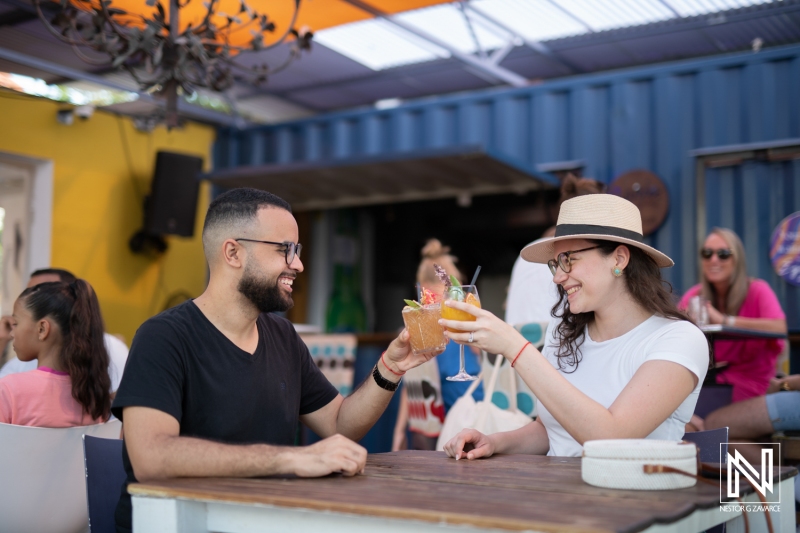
(399, 356)
(5, 329)
(334, 454)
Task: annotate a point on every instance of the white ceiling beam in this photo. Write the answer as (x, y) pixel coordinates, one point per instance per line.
(485, 65)
(533, 45)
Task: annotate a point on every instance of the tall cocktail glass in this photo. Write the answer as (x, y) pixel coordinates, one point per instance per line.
(423, 326)
(468, 294)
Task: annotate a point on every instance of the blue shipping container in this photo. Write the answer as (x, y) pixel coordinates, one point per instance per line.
(649, 117)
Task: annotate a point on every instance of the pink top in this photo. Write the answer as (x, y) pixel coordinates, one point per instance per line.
(751, 363)
(41, 398)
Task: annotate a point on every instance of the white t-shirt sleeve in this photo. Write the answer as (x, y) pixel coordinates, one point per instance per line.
(683, 343)
(15, 366)
(118, 356)
(531, 293)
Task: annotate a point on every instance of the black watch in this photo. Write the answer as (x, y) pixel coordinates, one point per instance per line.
(382, 382)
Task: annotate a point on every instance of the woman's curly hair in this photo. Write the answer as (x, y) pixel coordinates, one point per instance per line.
(644, 283)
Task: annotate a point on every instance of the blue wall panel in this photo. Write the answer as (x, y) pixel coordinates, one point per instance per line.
(649, 117)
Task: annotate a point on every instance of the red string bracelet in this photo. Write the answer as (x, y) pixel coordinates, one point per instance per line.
(389, 368)
(520, 353)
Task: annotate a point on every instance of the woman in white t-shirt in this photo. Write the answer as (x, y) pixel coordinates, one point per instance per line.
(620, 360)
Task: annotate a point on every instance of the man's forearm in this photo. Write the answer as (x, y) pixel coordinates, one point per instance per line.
(364, 407)
(168, 457)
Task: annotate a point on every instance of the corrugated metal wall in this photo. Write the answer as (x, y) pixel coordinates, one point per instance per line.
(639, 118)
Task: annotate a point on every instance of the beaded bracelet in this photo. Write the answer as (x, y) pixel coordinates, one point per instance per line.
(520, 353)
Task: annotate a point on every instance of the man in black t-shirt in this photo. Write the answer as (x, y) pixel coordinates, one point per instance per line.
(215, 386)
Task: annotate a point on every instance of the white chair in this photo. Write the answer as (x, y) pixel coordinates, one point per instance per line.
(42, 477)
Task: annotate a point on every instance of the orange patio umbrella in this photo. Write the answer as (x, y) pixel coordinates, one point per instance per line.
(315, 15)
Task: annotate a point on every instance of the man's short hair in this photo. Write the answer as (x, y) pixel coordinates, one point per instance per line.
(236, 208)
(64, 275)
(240, 206)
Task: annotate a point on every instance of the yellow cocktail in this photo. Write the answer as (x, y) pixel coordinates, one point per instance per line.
(467, 294)
(450, 313)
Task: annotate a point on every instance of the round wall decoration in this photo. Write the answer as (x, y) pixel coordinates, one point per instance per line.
(647, 192)
(784, 249)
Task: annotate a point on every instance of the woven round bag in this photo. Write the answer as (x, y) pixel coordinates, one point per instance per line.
(619, 463)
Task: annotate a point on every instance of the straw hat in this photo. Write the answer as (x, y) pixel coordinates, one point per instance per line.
(596, 216)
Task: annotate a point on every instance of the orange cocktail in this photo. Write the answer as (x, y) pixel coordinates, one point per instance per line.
(423, 326)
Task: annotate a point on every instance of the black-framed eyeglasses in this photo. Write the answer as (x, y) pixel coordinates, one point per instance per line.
(564, 260)
(723, 253)
(291, 249)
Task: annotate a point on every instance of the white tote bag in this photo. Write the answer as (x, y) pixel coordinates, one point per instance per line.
(484, 416)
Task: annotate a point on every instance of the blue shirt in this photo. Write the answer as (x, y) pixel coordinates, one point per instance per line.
(449, 365)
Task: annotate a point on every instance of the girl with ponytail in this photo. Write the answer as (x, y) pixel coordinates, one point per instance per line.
(60, 325)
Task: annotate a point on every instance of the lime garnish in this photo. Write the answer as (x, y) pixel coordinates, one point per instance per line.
(412, 304)
(456, 293)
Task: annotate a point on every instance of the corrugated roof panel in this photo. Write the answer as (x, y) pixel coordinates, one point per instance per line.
(433, 20)
(378, 44)
(607, 14)
(537, 20)
(691, 8)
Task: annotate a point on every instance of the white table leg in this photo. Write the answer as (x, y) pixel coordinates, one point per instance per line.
(783, 521)
(162, 515)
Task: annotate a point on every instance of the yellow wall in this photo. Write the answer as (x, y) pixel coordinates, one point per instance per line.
(97, 204)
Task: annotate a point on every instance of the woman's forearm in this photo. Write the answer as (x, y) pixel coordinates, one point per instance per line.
(772, 325)
(531, 439)
(654, 392)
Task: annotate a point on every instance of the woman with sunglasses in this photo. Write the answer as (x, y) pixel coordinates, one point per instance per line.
(736, 300)
(619, 361)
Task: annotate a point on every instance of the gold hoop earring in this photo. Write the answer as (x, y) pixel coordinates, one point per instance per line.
(617, 272)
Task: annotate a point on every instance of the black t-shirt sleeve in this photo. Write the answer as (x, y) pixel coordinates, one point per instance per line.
(154, 372)
(317, 390)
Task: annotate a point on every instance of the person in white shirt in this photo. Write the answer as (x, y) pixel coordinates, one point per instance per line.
(117, 350)
(620, 360)
(531, 291)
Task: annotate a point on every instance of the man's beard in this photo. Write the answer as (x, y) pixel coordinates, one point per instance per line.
(266, 296)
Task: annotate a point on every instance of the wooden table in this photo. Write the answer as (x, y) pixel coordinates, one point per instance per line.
(426, 492)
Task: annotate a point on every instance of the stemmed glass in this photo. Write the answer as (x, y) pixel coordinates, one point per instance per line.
(463, 293)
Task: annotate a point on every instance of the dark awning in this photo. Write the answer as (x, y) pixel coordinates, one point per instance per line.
(385, 179)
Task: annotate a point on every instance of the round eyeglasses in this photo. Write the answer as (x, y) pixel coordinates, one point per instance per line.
(291, 249)
(722, 253)
(564, 260)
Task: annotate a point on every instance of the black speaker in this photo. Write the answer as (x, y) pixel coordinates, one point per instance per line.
(171, 207)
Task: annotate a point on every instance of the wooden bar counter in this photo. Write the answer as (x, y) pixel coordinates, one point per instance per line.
(426, 492)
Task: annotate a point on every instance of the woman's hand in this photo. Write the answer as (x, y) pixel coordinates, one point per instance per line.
(696, 424)
(775, 383)
(470, 443)
(489, 333)
(714, 316)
